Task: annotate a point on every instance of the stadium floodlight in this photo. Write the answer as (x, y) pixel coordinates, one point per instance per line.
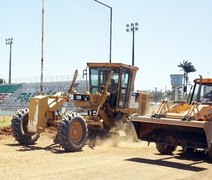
(132, 27)
(9, 41)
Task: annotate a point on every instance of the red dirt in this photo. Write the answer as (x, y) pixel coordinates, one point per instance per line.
(5, 131)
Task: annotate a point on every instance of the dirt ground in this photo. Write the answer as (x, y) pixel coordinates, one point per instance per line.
(125, 160)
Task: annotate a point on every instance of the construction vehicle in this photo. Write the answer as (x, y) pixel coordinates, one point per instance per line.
(107, 105)
(186, 124)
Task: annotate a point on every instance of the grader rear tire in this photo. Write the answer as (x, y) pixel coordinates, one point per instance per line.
(210, 153)
(165, 149)
(19, 128)
(72, 132)
(188, 149)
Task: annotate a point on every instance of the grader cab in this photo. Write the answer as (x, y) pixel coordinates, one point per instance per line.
(186, 124)
(107, 105)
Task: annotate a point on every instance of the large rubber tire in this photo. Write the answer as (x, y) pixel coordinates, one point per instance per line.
(72, 132)
(165, 149)
(19, 130)
(188, 149)
(210, 153)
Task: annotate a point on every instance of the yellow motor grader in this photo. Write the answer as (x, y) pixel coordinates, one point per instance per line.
(108, 104)
(186, 124)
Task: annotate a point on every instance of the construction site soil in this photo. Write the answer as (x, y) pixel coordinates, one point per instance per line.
(107, 160)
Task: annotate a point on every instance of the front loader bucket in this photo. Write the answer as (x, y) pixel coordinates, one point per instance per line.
(175, 132)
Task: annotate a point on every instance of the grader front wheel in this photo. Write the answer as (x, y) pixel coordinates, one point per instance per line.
(19, 130)
(72, 133)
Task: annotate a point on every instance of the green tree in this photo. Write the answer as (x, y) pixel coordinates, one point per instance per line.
(2, 81)
(186, 67)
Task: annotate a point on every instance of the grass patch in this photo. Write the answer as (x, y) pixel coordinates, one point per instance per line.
(5, 121)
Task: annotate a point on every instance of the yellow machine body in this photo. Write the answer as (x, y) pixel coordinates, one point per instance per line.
(42, 109)
(37, 114)
(186, 124)
(94, 104)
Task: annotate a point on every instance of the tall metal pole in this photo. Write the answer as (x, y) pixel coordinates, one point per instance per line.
(111, 15)
(133, 49)
(42, 38)
(9, 41)
(155, 96)
(10, 63)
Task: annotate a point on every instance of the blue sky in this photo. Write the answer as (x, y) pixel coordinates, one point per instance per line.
(77, 31)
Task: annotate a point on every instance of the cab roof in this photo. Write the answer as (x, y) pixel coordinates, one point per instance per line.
(204, 81)
(113, 65)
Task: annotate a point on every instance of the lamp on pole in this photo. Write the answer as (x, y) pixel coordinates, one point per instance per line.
(132, 28)
(110, 27)
(9, 41)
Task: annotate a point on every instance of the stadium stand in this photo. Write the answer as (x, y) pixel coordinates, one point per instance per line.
(9, 88)
(4, 96)
(17, 96)
(6, 90)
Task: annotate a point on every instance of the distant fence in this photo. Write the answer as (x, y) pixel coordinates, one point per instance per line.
(46, 79)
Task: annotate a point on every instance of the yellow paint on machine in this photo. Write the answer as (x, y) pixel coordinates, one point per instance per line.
(38, 108)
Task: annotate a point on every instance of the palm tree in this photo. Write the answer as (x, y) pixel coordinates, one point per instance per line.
(186, 67)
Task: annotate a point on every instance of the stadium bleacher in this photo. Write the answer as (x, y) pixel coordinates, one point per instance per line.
(6, 90)
(9, 88)
(4, 96)
(17, 96)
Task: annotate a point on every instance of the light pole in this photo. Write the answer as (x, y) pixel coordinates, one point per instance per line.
(42, 38)
(9, 41)
(132, 27)
(155, 96)
(110, 56)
